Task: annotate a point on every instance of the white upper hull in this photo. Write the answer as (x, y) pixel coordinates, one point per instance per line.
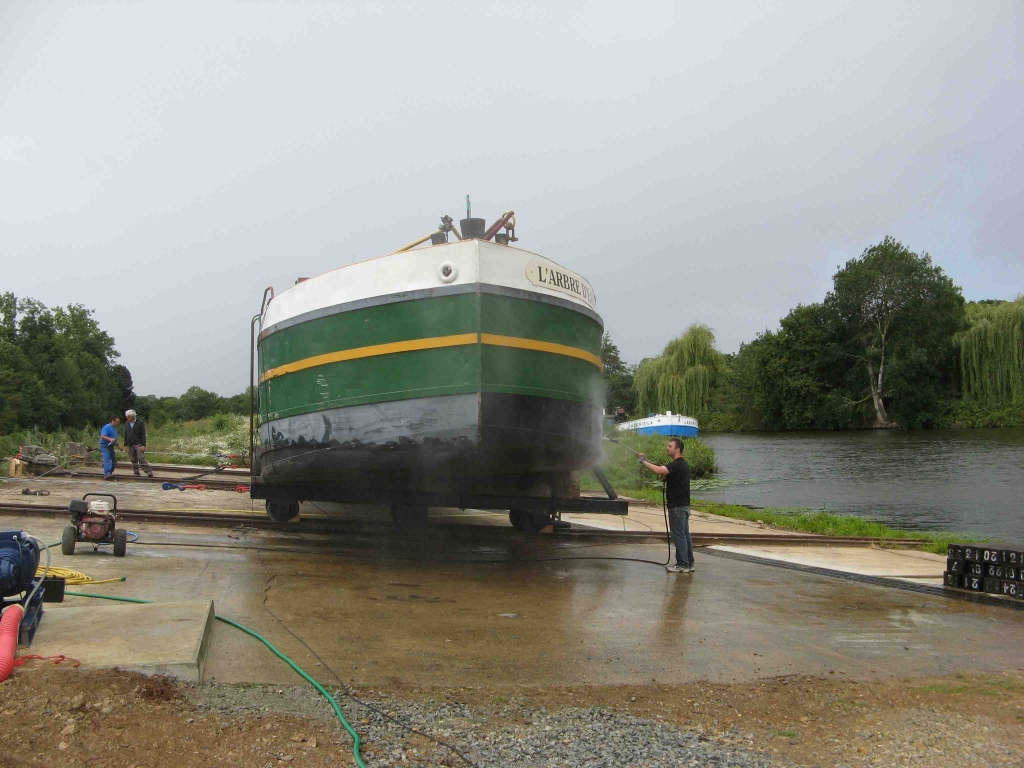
(469, 262)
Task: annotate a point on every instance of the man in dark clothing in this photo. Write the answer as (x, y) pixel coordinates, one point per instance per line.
(135, 442)
(677, 497)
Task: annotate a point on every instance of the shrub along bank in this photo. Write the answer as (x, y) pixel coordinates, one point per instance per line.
(627, 477)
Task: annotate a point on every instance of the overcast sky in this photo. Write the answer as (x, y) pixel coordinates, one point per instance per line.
(162, 162)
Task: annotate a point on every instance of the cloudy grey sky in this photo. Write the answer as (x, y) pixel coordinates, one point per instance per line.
(162, 162)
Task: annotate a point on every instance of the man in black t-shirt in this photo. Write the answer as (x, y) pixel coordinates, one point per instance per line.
(677, 497)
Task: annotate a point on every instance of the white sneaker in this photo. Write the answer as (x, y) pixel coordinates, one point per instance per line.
(675, 569)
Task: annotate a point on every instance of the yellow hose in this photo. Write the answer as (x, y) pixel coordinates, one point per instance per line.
(73, 577)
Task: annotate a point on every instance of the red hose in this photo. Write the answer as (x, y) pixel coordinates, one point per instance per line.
(9, 625)
(498, 224)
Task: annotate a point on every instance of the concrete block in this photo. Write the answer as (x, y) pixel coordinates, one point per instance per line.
(155, 639)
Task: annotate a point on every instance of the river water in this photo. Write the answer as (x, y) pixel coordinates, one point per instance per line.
(938, 480)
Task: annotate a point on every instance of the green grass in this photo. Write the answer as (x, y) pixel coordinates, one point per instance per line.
(830, 524)
(786, 734)
(198, 442)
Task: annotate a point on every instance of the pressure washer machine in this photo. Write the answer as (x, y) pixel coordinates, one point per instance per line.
(19, 560)
(94, 522)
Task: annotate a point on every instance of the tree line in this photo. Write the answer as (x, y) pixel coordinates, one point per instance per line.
(893, 344)
(195, 403)
(59, 370)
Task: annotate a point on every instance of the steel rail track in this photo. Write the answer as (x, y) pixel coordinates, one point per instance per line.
(211, 481)
(191, 469)
(328, 524)
(185, 469)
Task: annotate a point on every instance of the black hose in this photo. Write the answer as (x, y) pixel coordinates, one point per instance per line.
(668, 528)
(664, 507)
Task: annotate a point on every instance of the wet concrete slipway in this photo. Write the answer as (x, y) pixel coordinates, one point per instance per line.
(481, 607)
(489, 606)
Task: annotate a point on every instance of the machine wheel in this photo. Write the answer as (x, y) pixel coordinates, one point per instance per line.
(120, 542)
(530, 522)
(282, 511)
(409, 516)
(68, 539)
(515, 517)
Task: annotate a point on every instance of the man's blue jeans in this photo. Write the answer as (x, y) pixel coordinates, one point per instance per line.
(679, 523)
(109, 460)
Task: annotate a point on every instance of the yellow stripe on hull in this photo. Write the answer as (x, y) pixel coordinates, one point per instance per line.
(437, 342)
(540, 346)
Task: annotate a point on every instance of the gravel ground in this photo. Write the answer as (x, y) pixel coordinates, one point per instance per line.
(951, 722)
(508, 736)
(596, 737)
(56, 715)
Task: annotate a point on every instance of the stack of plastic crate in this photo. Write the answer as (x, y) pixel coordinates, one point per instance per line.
(996, 569)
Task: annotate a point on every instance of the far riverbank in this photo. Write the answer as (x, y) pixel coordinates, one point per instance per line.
(933, 480)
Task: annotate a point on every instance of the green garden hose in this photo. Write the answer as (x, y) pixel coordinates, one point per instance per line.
(356, 743)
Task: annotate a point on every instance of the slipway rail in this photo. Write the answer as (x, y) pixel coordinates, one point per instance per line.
(212, 480)
(328, 524)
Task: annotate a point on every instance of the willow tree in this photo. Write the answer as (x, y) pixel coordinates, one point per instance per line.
(992, 353)
(682, 378)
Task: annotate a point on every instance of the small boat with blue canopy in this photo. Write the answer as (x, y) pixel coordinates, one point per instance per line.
(668, 423)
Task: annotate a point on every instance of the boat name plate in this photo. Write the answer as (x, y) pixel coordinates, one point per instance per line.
(553, 277)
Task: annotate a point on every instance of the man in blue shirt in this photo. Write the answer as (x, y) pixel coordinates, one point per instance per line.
(108, 441)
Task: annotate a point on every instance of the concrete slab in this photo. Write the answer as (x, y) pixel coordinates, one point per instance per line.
(907, 565)
(130, 495)
(170, 638)
(485, 606)
(645, 517)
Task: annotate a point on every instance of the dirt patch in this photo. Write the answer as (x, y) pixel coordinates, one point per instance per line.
(55, 716)
(72, 717)
(158, 688)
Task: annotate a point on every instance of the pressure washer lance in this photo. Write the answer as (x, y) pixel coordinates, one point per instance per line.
(635, 453)
(664, 505)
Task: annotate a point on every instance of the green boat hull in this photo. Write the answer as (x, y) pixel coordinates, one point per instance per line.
(466, 384)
